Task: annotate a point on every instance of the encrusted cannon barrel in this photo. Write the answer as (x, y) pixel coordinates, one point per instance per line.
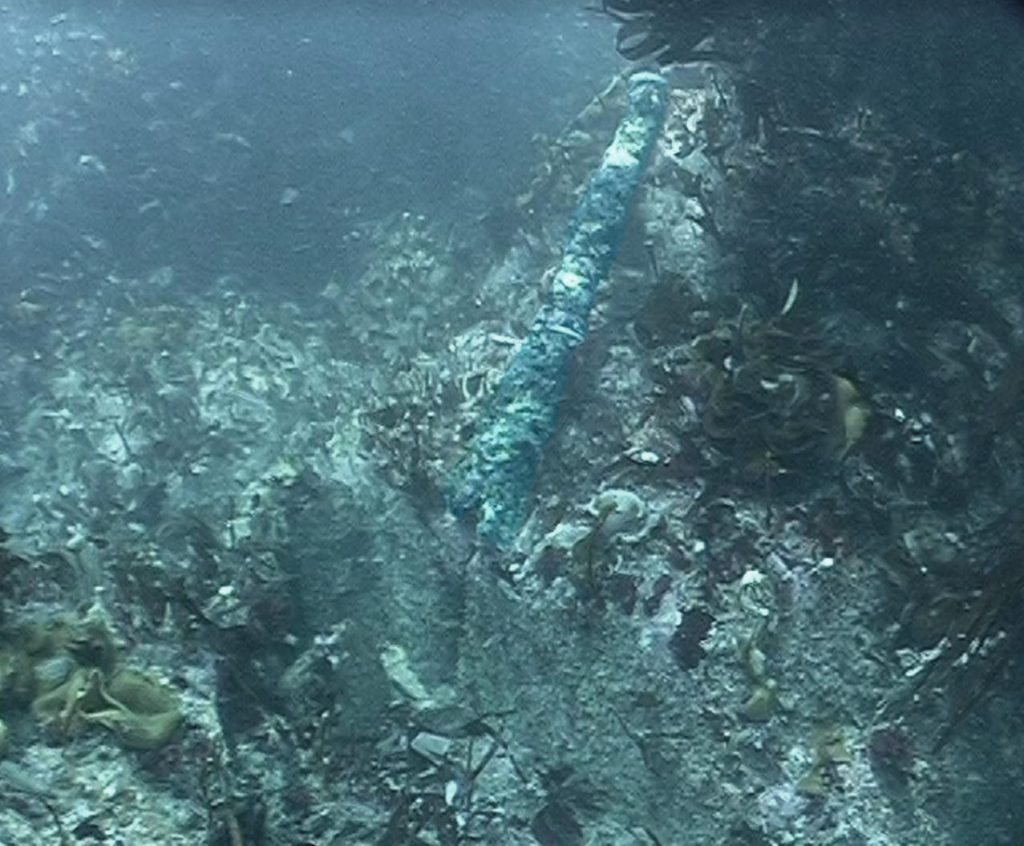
(493, 481)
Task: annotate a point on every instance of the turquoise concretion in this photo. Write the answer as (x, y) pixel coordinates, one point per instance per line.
(495, 478)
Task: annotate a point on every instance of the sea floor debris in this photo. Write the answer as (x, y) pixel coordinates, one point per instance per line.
(671, 650)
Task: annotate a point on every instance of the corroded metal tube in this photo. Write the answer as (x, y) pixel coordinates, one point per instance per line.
(493, 481)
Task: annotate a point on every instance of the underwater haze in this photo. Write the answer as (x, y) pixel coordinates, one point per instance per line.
(254, 138)
(576, 423)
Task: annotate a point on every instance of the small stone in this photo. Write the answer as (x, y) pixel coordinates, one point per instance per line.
(433, 747)
(646, 457)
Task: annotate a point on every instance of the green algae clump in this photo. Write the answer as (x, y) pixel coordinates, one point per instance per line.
(66, 668)
(142, 713)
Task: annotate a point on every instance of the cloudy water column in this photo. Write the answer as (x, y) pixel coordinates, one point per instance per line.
(493, 481)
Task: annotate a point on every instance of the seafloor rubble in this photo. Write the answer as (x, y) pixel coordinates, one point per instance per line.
(770, 592)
